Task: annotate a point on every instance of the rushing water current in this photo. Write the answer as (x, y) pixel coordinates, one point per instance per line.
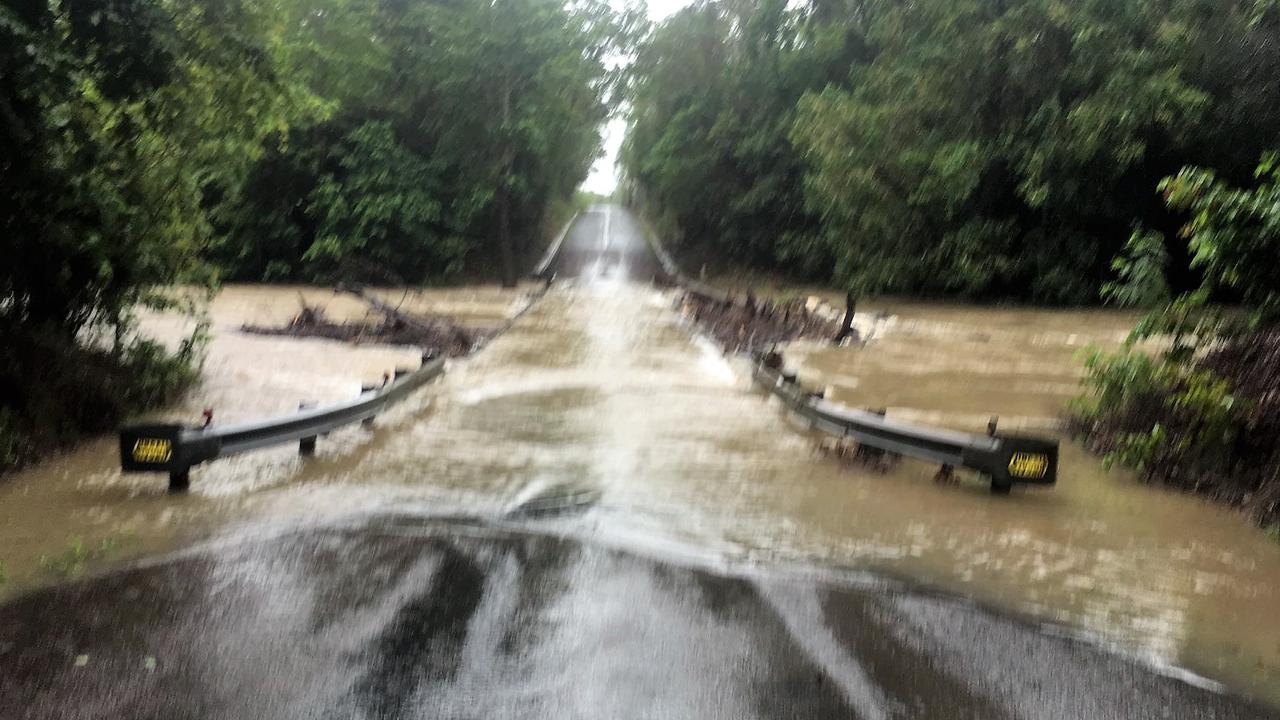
(600, 409)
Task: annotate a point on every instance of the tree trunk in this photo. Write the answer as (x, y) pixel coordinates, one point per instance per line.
(846, 327)
(506, 247)
(506, 244)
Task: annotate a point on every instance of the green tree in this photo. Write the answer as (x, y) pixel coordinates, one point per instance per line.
(121, 123)
(450, 130)
(1006, 148)
(712, 103)
(1203, 412)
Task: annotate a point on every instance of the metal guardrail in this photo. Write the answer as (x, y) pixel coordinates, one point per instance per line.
(544, 265)
(689, 285)
(1005, 458)
(175, 449)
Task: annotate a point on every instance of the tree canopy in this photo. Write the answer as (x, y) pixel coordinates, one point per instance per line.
(976, 148)
(145, 141)
(453, 130)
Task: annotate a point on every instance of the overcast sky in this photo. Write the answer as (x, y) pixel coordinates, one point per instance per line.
(603, 178)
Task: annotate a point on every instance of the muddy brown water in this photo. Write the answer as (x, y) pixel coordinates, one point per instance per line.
(600, 396)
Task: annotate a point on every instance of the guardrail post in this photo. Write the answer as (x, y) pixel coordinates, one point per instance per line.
(179, 480)
(368, 388)
(307, 445)
(999, 486)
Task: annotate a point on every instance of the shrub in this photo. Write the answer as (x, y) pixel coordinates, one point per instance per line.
(1206, 424)
(55, 390)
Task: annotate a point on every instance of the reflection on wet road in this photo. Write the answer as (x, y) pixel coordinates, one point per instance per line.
(625, 486)
(408, 620)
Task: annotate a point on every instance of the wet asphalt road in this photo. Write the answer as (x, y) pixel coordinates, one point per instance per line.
(530, 615)
(607, 243)
(400, 618)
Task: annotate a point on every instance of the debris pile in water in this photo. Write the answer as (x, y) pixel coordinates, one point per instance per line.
(748, 324)
(394, 328)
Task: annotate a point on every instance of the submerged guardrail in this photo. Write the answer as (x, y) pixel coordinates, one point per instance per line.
(175, 449)
(678, 278)
(543, 268)
(1005, 458)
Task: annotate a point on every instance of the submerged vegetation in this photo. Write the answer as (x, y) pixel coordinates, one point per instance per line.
(79, 555)
(1204, 413)
(151, 142)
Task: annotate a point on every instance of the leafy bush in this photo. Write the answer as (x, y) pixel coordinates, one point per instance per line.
(1205, 413)
(55, 390)
(1160, 416)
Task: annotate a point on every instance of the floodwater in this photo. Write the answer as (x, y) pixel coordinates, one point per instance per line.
(600, 414)
(77, 509)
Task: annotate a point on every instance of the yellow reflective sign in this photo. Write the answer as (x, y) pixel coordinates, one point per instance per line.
(1028, 465)
(152, 450)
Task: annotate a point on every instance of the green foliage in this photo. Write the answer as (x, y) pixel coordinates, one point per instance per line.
(122, 122)
(1233, 233)
(1005, 149)
(959, 147)
(1141, 272)
(713, 95)
(383, 204)
(1202, 412)
(1160, 412)
(158, 376)
(61, 390)
(451, 130)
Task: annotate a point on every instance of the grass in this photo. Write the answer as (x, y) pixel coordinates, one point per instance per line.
(76, 557)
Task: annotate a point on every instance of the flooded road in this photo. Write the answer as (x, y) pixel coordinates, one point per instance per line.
(76, 511)
(624, 470)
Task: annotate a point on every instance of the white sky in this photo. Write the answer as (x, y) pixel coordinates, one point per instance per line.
(604, 173)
